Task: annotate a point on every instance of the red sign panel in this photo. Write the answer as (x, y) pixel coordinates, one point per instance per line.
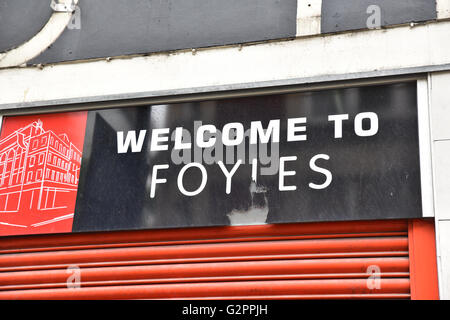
(40, 160)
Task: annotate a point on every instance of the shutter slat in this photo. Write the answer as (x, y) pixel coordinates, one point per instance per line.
(320, 246)
(224, 289)
(298, 261)
(217, 234)
(397, 296)
(211, 260)
(305, 268)
(179, 242)
(208, 279)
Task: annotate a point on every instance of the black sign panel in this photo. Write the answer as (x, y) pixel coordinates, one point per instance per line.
(334, 155)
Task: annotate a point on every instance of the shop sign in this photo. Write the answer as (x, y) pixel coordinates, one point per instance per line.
(332, 155)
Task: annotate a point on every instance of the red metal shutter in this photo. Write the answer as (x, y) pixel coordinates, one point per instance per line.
(316, 260)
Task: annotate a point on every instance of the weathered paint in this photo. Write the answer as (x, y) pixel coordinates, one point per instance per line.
(306, 58)
(116, 27)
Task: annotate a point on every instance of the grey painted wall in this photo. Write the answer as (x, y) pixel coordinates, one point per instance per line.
(117, 27)
(340, 15)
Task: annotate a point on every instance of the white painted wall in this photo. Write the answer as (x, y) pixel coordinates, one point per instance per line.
(443, 9)
(444, 259)
(440, 131)
(308, 17)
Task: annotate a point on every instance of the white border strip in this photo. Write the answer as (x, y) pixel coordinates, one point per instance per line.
(426, 169)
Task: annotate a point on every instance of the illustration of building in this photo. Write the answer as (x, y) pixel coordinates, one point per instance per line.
(39, 170)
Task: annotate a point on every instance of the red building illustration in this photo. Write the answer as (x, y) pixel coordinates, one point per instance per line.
(39, 173)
